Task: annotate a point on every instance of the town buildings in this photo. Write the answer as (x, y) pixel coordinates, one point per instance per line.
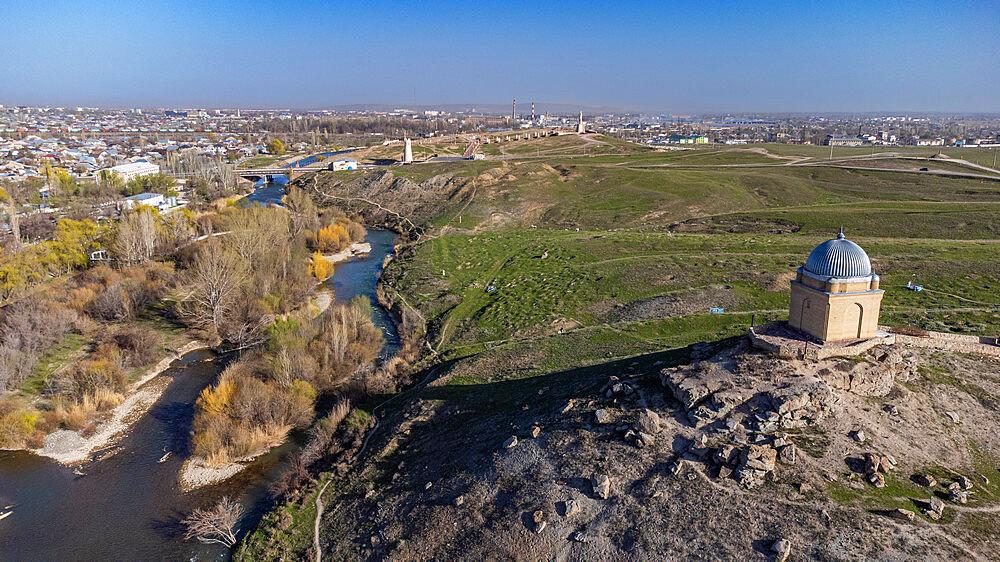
(134, 170)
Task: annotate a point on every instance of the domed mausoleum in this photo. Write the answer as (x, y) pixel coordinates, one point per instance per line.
(835, 296)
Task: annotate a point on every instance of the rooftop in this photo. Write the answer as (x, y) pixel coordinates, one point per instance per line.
(840, 258)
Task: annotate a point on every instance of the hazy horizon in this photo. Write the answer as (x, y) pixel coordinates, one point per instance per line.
(917, 57)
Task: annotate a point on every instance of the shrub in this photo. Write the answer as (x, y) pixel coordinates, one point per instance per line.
(112, 304)
(138, 345)
(90, 378)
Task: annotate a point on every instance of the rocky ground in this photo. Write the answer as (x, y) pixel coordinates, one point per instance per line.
(726, 454)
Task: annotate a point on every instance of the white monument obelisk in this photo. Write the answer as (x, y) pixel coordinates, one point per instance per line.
(407, 151)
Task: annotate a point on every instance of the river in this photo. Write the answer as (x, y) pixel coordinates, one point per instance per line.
(270, 192)
(128, 505)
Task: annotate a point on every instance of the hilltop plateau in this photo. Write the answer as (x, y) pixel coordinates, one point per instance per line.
(565, 301)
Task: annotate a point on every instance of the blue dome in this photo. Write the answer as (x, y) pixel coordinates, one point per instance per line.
(839, 258)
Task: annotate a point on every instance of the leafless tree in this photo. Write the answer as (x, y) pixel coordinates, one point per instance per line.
(217, 277)
(135, 240)
(257, 232)
(216, 525)
(10, 208)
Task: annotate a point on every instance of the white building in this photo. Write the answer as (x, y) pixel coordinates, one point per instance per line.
(344, 164)
(134, 170)
(156, 200)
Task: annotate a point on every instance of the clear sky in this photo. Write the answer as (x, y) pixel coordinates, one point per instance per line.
(663, 56)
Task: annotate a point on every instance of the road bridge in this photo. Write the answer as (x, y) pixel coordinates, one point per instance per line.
(269, 173)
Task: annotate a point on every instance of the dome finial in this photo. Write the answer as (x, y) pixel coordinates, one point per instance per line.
(840, 235)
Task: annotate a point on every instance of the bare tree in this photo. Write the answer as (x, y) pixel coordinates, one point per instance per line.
(216, 525)
(135, 240)
(218, 276)
(10, 209)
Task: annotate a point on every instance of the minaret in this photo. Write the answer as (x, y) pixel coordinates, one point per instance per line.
(513, 110)
(532, 112)
(407, 151)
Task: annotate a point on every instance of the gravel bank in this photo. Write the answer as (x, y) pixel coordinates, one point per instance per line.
(69, 447)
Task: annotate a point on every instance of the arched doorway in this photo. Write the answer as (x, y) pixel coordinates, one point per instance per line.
(853, 320)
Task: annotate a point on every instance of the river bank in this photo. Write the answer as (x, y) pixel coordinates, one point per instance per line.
(128, 505)
(195, 473)
(354, 250)
(70, 447)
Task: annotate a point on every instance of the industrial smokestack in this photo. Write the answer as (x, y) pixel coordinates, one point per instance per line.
(513, 111)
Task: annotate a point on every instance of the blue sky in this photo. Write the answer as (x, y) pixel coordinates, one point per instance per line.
(663, 56)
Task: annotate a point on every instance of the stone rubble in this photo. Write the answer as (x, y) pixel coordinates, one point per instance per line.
(601, 485)
(572, 507)
(781, 548)
(957, 494)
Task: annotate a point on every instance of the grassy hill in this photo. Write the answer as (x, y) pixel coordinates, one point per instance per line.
(541, 276)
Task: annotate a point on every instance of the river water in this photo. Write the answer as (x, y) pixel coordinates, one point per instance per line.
(271, 191)
(128, 505)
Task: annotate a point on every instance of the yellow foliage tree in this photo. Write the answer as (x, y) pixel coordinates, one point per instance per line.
(333, 238)
(320, 267)
(215, 400)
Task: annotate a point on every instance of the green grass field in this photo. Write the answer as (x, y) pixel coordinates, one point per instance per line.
(498, 286)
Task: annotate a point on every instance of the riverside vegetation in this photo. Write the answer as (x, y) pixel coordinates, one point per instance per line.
(74, 334)
(539, 277)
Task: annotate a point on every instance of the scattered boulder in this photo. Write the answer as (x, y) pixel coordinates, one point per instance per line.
(538, 517)
(965, 482)
(760, 457)
(569, 406)
(781, 548)
(511, 442)
(904, 514)
(937, 506)
(877, 479)
(458, 501)
(954, 417)
(873, 463)
(649, 422)
(602, 416)
(601, 484)
(644, 439)
(858, 435)
(805, 488)
(535, 431)
(571, 507)
(755, 464)
(927, 480)
(727, 455)
(957, 494)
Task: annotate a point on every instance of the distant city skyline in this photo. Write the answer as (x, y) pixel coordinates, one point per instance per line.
(766, 57)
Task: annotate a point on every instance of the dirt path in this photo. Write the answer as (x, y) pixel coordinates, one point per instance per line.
(364, 447)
